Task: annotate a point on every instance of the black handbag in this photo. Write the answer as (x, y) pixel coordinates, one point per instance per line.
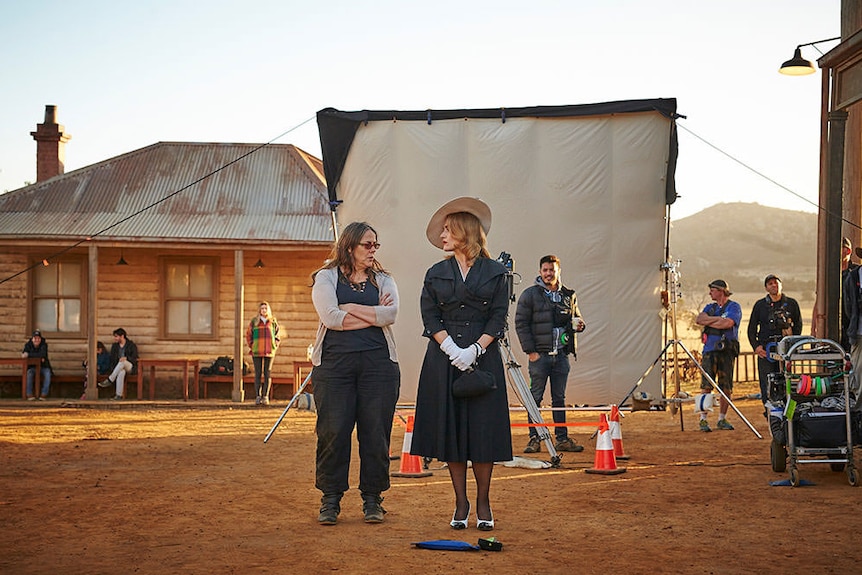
(473, 383)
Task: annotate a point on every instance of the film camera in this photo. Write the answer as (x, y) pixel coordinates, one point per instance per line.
(505, 258)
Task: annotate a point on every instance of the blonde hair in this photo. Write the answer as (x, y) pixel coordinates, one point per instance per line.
(268, 309)
(468, 234)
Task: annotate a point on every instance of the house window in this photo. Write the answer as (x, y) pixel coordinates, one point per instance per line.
(59, 297)
(190, 297)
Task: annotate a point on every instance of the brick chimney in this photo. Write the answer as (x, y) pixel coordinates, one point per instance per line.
(50, 146)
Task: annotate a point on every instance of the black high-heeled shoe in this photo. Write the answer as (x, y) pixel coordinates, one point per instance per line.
(460, 523)
(485, 524)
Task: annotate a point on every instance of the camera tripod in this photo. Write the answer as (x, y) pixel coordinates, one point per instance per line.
(522, 389)
(513, 369)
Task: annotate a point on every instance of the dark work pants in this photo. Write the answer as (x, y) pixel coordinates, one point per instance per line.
(355, 389)
(556, 368)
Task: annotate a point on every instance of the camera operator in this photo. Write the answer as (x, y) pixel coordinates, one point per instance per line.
(546, 320)
(772, 318)
(720, 320)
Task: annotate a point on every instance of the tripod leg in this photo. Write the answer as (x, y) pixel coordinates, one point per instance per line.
(718, 389)
(646, 373)
(289, 404)
(522, 390)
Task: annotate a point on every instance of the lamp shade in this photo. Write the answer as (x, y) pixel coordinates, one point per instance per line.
(797, 66)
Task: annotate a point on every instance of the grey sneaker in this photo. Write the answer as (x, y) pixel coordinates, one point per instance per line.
(568, 444)
(372, 508)
(257, 400)
(534, 446)
(330, 507)
(105, 383)
(704, 425)
(724, 424)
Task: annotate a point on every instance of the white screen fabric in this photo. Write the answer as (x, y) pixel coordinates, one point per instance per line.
(590, 189)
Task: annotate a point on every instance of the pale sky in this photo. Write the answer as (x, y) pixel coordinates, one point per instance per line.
(127, 75)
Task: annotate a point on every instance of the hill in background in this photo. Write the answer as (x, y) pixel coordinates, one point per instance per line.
(742, 243)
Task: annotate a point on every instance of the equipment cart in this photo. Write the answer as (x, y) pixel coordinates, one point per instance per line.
(810, 407)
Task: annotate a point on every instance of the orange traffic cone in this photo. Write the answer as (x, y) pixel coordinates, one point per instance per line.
(617, 433)
(411, 465)
(605, 463)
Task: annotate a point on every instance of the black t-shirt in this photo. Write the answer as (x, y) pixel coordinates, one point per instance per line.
(364, 339)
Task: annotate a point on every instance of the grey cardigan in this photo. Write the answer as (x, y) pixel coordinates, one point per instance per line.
(331, 317)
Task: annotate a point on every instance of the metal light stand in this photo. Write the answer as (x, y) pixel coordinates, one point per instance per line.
(289, 404)
(675, 292)
(708, 377)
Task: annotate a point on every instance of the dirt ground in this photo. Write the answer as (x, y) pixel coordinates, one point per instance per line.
(192, 488)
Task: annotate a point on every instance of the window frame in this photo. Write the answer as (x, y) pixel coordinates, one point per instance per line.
(33, 297)
(164, 263)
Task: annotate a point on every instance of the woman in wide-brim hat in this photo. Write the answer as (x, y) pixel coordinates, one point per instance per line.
(464, 305)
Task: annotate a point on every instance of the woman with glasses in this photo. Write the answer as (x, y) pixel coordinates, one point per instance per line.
(356, 375)
(464, 304)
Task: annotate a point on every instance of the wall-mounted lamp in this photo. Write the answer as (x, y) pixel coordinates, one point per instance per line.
(122, 261)
(259, 263)
(799, 66)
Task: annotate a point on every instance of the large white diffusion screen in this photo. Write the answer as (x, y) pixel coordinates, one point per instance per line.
(589, 189)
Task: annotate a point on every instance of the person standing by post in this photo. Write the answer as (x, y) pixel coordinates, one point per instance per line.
(37, 347)
(124, 361)
(262, 339)
(464, 304)
(356, 375)
(720, 320)
(546, 320)
(847, 268)
(772, 318)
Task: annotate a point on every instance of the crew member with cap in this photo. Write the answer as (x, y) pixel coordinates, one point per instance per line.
(772, 318)
(720, 320)
(464, 304)
(37, 347)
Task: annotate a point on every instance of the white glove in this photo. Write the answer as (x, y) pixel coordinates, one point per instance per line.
(468, 356)
(460, 363)
(450, 348)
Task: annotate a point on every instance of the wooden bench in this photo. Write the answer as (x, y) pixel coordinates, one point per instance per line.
(58, 380)
(247, 380)
(190, 367)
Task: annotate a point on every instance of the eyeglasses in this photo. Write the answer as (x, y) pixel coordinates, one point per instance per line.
(369, 245)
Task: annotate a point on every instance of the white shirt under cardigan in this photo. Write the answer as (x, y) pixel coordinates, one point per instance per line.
(325, 300)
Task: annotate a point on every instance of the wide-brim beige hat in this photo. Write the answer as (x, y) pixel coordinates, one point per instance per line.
(473, 206)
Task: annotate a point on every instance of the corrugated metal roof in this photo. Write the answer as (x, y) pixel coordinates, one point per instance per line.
(180, 191)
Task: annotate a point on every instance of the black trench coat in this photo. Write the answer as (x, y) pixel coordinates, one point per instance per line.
(456, 429)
